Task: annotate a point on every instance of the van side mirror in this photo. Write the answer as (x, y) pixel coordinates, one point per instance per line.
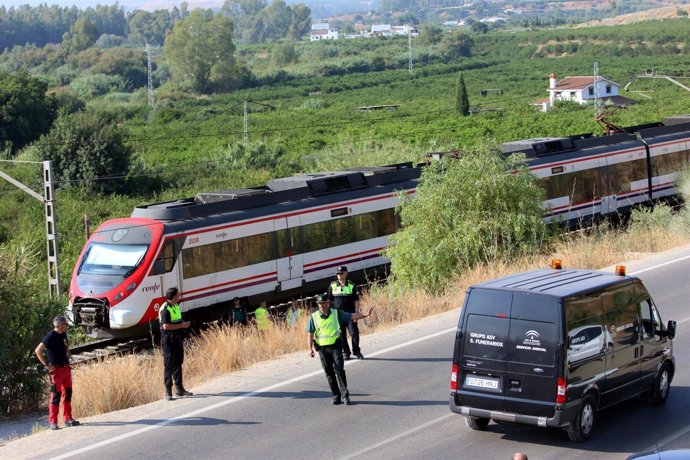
(671, 329)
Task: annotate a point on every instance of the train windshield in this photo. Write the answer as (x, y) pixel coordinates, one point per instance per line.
(112, 259)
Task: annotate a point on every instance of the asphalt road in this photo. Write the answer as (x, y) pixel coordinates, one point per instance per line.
(400, 393)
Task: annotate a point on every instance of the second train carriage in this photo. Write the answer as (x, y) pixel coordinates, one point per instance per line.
(588, 177)
(286, 238)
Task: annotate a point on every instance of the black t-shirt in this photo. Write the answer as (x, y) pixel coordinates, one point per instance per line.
(56, 348)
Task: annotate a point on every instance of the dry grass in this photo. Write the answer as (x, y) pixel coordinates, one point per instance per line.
(130, 381)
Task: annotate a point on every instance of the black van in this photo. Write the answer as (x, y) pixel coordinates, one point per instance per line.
(550, 347)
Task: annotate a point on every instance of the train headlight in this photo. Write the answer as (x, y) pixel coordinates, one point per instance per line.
(131, 287)
(118, 297)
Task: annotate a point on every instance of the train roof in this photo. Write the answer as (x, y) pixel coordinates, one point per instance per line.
(277, 193)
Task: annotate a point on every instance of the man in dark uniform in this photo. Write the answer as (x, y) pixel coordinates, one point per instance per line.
(56, 348)
(344, 296)
(324, 334)
(173, 333)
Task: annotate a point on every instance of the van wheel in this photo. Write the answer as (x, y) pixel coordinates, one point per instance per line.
(581, 428)
(662, 385)
(477, 423)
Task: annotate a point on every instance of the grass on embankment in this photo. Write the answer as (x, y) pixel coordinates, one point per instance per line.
(120, 383)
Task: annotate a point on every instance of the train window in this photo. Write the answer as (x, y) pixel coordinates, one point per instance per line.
(316, 236)
(659, 165)
(169, 256)
(639, 169)
(623, 178)
(386, 223)
(557, 186)
(585, 186)
(259, 248)
(364, 226)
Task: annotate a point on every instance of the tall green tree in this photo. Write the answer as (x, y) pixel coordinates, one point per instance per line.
(462, 102)
(200, 51)
(82, 35)
(25, 313)
(466, 211)
(88, 151)
(457, 45)
(26, 111)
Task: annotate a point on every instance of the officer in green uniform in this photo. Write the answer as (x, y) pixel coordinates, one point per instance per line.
(263, 317)
(324, 334)
(173, 333)
(344, 296)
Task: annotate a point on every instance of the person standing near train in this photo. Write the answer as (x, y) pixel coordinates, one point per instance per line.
(238, 314)
(263, 317)
(324, 334)
(173, 333)
(56, 361)
(344, 295)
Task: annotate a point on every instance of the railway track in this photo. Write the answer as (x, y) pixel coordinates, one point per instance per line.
(98, 351)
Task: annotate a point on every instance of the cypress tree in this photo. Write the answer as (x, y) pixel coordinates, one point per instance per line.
(462, 102)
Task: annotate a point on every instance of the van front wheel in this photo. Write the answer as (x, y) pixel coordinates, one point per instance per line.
(477, 423)
(581, 428)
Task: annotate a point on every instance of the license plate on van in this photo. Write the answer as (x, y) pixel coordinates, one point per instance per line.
(481, 382)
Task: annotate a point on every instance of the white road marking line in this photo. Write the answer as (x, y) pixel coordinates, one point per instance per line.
(398, 436)
(236, 399)
(654, 267)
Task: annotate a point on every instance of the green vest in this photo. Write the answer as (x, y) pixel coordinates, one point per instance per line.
(337, 289)
(289, 317)
(263, 323)
(327, 331)
(175, 313)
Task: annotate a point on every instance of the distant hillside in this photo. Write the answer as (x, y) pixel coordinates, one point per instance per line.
(668, 12)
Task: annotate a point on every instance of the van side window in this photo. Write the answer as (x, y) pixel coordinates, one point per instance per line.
(621, 315)
(587, 335)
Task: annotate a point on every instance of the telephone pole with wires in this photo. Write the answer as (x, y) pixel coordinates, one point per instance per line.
(409, 52)
(149, 67)
(48, 200)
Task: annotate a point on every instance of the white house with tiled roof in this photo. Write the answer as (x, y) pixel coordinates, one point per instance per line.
(322, 31)
(582, 91)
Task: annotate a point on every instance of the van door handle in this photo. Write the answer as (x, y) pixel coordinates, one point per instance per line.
(637, 352)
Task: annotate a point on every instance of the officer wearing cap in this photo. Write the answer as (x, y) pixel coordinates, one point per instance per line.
(173, 333)
(324, 334)
(343, 293)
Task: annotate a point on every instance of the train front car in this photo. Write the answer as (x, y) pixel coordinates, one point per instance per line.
(107, 295)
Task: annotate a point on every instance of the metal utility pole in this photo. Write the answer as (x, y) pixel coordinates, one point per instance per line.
(246, 125)
(48, 200)
(597, 95)
(150, 74)
(409, 52)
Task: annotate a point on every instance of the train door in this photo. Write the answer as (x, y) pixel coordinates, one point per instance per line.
(289, 258)
(609, 187)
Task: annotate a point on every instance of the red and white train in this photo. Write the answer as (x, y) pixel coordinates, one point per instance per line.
(286, 238)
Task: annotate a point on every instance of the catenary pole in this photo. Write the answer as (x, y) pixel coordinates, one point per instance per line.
(48, 200)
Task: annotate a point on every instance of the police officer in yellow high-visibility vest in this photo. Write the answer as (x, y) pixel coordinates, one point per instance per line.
(173, 333)
(344, 296)
(324, 334)
(262, 317)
